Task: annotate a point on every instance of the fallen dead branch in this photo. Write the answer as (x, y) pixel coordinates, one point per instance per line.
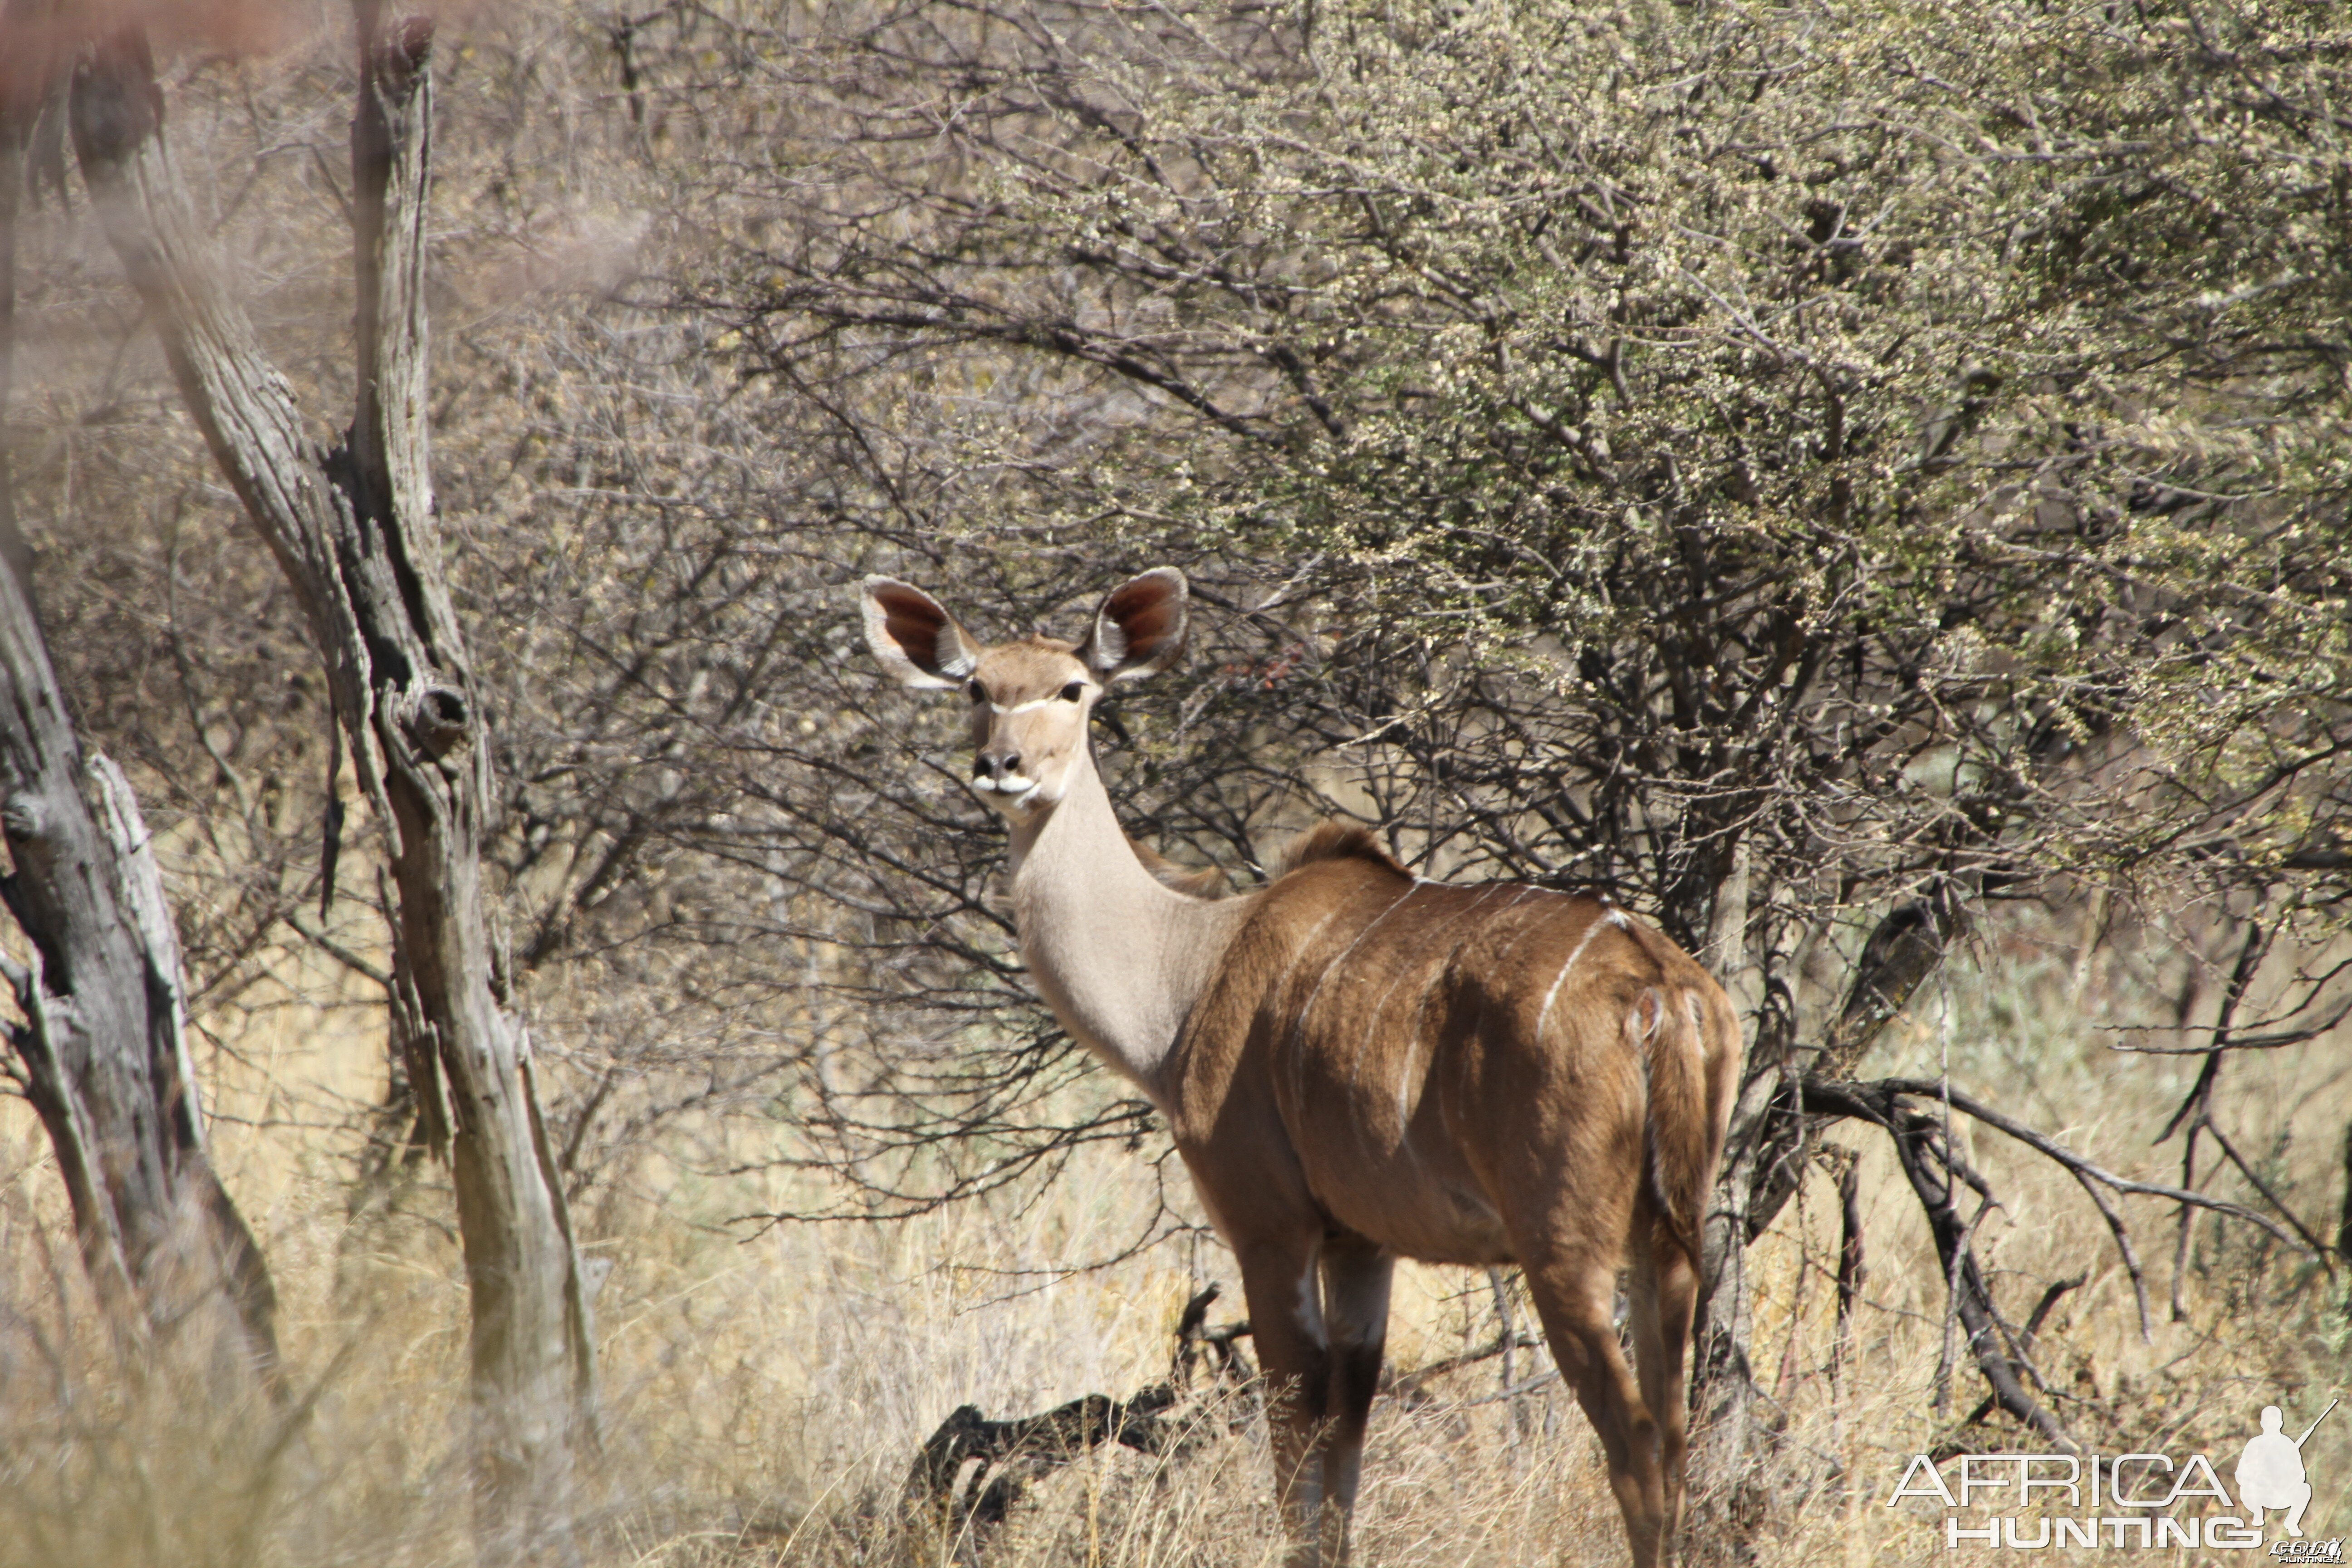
(1913, 1113)
(1013, 1456)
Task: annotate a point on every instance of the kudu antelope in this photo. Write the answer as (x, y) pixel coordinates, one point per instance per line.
(1359, 1066)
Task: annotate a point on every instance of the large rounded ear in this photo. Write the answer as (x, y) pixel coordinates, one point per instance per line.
(1140, 630)
(915, 640)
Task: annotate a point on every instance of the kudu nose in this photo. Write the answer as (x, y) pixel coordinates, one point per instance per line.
(996, 765)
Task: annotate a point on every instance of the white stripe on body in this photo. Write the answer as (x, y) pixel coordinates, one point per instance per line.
(1372, 1026)
(1610, 918)
(1299, 1025)
(1406, 1079)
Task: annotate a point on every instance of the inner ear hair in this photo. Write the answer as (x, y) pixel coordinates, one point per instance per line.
(1140, 628)
(914, 637)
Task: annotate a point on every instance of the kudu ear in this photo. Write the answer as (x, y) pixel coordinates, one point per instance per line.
(916, 641)
(1140, 630)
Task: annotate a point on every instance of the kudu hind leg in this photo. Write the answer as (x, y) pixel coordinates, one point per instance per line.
(1665, 1294)
(1286, 1309)
(1356, 1278)
(1574, 1296)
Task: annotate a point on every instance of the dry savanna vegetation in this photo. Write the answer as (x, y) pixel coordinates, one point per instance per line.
(546, 1072)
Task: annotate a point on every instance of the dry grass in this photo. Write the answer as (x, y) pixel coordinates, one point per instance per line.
(764, 1397)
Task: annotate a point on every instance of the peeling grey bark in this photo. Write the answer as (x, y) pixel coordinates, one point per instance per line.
(101, 1046)
(352, 526)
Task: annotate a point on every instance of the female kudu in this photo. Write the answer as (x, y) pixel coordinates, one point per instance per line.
(1358, 1066)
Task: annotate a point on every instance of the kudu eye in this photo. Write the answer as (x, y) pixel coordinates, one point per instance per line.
(1074, 690)
(978, 693)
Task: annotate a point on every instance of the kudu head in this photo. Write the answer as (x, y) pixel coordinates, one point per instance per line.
(1031, 698)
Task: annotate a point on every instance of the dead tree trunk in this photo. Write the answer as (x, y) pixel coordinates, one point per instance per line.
(100, 1051)
(352, 526)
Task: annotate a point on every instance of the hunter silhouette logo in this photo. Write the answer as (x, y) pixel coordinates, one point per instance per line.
(2270, 1472)
(2125, 1501)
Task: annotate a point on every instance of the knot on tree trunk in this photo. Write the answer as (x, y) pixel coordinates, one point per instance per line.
(401, 52)
(22, 817)
(439, 720)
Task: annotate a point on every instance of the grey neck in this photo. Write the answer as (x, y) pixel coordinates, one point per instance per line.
(1118, 956)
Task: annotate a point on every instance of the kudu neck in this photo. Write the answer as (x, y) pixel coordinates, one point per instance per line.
(1117, 955)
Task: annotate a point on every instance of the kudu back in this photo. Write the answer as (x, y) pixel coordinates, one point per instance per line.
(1359, 1066)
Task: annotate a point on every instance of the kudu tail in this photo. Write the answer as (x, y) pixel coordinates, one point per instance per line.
(1688, 1034)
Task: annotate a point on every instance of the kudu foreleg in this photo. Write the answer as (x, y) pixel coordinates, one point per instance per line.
(1286, 1308)
(1356, 1278)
